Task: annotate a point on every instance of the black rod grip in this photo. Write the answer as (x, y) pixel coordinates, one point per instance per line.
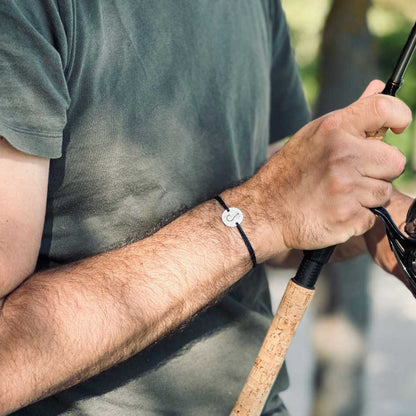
(311, 265)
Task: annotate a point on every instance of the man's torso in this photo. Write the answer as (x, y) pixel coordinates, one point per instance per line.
(170, 104)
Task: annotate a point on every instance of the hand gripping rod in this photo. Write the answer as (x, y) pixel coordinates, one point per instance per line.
(300, 289)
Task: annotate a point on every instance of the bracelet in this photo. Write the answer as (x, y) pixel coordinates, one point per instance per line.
(233, 217)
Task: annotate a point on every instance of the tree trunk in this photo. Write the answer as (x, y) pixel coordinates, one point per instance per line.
(348, 55)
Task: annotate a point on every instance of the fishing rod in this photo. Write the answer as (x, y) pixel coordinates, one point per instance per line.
(300, 289)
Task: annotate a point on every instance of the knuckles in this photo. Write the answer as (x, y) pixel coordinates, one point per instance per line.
(339, 154)
(353, 109)
(352, 217)
(339, 146)
(384, 106)
(364, 222)
(398, 161)
(382, 193)
(381, 106)
(392, 158)
(345, 213)
(339, 184)
(330, 123)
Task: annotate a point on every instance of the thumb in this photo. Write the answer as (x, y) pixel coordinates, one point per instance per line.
(374, 87)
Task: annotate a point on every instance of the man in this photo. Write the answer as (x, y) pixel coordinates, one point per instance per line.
(116, 115)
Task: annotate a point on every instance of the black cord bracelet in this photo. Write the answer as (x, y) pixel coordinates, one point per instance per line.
(232, 217)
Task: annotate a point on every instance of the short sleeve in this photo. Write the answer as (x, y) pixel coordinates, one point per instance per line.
(34, 97)
(289, 110)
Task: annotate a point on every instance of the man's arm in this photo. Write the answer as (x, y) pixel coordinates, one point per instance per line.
(66, 324)
(23, 189)
(375, 240)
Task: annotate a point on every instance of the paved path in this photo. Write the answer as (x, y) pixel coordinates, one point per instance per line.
(391, 364)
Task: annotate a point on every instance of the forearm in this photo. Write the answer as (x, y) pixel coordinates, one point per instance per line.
(67, 324)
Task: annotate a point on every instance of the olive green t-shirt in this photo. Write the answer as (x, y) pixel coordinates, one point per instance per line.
(146, 107)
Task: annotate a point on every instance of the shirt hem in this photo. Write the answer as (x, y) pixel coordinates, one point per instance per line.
(33, 143)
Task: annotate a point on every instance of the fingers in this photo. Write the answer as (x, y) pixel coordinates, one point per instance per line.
(370, 194)
(374, 87)
(374, 192)
(373, 112)
(351, 155)
(356, 219)
(365, 222)
(379, 160)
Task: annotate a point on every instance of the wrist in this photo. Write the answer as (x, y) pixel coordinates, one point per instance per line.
(264, 239)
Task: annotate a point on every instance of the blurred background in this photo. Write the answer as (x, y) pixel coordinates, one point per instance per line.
(353, 353)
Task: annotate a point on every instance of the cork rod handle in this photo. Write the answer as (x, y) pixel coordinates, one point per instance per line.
(273, 351)
(276, 343)
(296, 298)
